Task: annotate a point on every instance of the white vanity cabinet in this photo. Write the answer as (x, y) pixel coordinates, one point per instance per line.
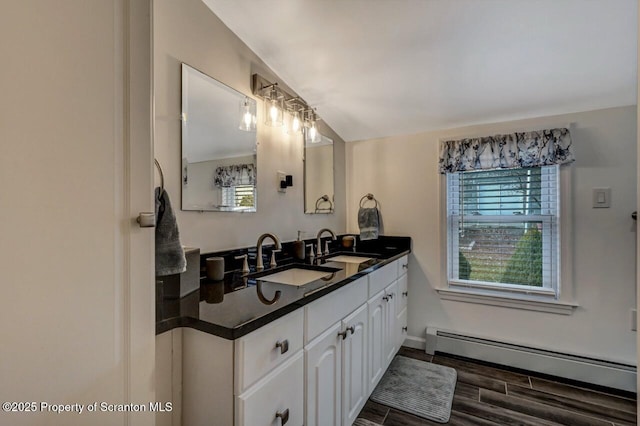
(314, 366)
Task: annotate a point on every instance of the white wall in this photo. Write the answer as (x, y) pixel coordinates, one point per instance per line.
(402, 172)
(187, 31)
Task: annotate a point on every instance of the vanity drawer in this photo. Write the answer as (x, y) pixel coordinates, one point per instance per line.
(261, 351)
(278, 399)
(326, 311)
(381, 278)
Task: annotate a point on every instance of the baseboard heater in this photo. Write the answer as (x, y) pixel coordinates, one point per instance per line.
(603, 373)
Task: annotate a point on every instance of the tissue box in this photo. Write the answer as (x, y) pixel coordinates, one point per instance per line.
(179, 285)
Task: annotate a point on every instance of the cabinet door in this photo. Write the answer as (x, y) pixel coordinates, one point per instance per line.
(324, 378)
(403, 293)
(401, 327)
(391, 333)
(377, 329)
(354, 365)
(276, 399)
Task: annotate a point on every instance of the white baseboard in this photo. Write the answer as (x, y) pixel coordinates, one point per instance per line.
(583, 369)
(414, 342)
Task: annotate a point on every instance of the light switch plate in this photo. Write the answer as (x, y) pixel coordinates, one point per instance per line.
(601, 198)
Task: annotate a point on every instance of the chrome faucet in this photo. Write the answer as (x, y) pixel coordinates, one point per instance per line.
(319, 241)
(260, 264)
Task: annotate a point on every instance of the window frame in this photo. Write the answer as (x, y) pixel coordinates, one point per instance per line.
(563, 299)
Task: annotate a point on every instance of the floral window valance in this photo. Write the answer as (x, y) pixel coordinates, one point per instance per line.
(234, 175)
(514, 150)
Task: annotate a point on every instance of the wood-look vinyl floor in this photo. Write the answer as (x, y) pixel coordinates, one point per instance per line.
(491, 396)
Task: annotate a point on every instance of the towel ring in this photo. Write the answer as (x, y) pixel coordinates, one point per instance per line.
(323, 199)
(368, 197)
(161, 174)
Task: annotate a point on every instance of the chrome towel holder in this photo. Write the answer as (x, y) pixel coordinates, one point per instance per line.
(368, 197)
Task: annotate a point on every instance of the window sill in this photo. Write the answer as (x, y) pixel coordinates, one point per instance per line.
(527, 303)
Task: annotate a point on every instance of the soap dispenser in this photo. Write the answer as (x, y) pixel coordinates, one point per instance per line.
(299, 248)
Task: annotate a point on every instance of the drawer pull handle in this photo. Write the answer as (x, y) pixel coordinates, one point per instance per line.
(351, 329)
(385, 298)
(284, 415)
(404, 329)
(343, 334)
(284, 347)
(405, 293)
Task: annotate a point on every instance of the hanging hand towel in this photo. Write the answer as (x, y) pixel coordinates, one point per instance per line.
(369, 223)
(170, 257)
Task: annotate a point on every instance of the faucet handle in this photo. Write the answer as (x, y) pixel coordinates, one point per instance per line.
(326, 247)
(311, 253)
(273, 263)
(245, 263)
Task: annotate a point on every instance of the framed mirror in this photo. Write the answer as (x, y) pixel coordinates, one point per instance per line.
(318, 175)
(219, 154)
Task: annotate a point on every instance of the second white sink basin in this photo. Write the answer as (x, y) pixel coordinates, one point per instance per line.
(295, 276)
(349, 259)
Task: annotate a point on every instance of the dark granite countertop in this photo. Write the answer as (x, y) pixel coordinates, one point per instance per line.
(241, 303)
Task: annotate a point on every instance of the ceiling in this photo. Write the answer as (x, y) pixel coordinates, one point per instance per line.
(376, 68)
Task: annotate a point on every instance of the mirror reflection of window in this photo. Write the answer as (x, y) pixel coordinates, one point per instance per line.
(218, 155)
(318, 175)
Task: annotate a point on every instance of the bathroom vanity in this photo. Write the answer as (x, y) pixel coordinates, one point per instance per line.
(254, 351)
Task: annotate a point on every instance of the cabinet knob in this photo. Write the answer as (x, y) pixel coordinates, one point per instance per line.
(391, 295)
(284, 346)
(343, 334)
(405, 293)
(404, 329)
(283, 415)
(351, 329)
(385, 298)
(405, 266)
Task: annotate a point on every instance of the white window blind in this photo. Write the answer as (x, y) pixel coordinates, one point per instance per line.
(503, 230)
(238, 197)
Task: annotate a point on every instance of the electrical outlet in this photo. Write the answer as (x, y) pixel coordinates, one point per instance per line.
(634, 319)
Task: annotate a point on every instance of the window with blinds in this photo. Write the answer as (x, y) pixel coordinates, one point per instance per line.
(503, 230)
(238, 197)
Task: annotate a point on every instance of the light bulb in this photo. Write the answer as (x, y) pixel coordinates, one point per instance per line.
(273, 112)
(247, 119)
(313, 133)
(247, 115)
(295, 124)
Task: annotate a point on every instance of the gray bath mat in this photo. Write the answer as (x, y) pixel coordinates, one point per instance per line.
(417, 387)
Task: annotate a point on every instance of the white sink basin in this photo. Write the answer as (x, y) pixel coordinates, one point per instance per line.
(295, 276)
(349, 259)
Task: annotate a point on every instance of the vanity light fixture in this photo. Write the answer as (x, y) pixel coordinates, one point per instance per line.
(277, 102)
(248, 115)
